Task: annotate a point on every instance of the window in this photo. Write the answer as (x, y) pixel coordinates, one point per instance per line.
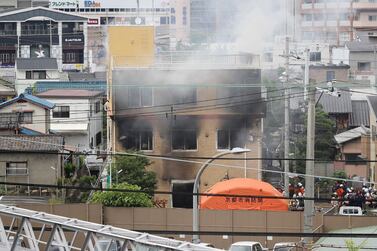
(363, 66)
(230, 138)
(344, 36)
(172, 20)
(16, 168)
(140, 97)
(330, 76)
(98, 106)
(257, 247)
(35, 74)
(354, 159)
(372, 18)
(308, 17)
(184, 140)
(60, 112)
(138, 140)
(315, 56)
(98, 138)
(164, 20)
(268, 57)
(26, 117)
(184, 15)
(184, 95)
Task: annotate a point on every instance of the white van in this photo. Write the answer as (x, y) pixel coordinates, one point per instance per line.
(247, 246)
(348, 210)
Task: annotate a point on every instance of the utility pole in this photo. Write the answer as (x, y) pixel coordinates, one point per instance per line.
(306, 73)
(286, 120)
(309, 178)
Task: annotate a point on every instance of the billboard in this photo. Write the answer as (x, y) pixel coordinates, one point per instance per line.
(109, 3)
(131, 45)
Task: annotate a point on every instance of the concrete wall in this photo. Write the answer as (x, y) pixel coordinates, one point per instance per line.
(212, 110)
(206, 128)
(39, 167)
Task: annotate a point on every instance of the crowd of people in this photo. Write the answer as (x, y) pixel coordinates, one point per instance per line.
(365, 196)
(343, 195)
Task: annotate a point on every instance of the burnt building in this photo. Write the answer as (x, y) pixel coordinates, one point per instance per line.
(189, 112)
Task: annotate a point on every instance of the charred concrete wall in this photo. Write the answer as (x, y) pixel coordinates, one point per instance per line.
(190, 113)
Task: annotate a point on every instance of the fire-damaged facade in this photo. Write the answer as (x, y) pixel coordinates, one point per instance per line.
(192, 113)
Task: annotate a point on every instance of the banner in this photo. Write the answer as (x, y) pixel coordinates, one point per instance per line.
(60, 4)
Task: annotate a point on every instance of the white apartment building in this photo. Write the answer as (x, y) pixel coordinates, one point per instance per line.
(78, 116)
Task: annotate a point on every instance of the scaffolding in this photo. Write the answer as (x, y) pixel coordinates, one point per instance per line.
(32, 230)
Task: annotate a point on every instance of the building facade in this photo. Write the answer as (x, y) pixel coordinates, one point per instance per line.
(25, 112)
(190, 113)
(334, 21)
(43, 33)
(31, 159)
(78, 116)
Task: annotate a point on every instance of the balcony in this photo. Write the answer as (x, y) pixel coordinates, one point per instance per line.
(8, 32)
(339, 5)
(184, 60)
(364, 6)
(306, 23)
(332, 23)
(306, 6)
(364, 24)
(319, 5)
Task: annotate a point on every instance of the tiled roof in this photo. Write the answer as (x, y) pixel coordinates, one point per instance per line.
(360, 113)
(69, 93)
(30, 98)
(334, 105)
(25, 143)
(37, 64)
(84, 85)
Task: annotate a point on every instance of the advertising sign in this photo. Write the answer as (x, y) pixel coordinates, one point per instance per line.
(93, 22)
(109, 3)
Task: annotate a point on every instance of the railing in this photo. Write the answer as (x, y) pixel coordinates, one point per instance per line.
(189, 60)
(60, 234)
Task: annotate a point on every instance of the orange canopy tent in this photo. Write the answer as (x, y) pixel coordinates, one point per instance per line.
(246, 187)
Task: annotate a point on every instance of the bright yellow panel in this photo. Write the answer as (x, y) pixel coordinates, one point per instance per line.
(131, 45)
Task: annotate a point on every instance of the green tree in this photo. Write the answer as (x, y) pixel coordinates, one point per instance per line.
(123, 199)
(132, 170)
(324, 140)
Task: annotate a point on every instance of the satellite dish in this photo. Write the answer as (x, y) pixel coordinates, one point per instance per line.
(138, 20)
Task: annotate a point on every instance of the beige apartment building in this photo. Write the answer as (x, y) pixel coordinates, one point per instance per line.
(191, 114)
(335, 21)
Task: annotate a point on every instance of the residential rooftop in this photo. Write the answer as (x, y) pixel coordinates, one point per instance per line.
(69, 93)
(26, 143)
(29, 98)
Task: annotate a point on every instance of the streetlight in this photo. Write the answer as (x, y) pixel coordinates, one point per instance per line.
(195, 208)
(121, 170)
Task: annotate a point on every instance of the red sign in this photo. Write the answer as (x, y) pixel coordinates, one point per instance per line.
(93, 21)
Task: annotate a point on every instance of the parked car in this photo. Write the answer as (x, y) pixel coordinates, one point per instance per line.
(350, 210)
(285, 246)
(247, 246)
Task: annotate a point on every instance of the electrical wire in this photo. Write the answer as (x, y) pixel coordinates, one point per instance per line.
(170, 158)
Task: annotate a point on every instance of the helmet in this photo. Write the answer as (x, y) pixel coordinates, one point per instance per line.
(299, 184)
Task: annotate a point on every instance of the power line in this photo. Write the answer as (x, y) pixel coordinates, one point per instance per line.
(169, 158)
(235, 197)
